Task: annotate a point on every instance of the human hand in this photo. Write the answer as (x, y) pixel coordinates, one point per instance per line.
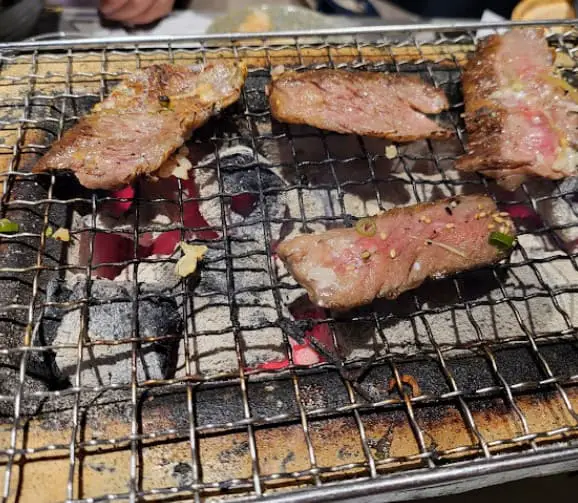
(135, 12)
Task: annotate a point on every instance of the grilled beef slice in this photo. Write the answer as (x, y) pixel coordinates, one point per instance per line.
(521, 118)
(383, 105)
(396, 251)
(146, 118)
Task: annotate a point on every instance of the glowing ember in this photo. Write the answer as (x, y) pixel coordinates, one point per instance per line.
(305, 354)
(117, 207)
(244, 204)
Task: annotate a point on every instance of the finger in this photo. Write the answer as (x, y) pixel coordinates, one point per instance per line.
(157, 10)
(130, 9)
(109, 7)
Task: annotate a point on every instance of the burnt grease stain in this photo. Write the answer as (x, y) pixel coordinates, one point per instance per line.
(239, 450)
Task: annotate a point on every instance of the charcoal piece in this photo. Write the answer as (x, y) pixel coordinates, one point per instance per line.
(248, 182)
(253, 308)
(235, 287)
(17, 276)
(110, 318)
(561, 208)
(249, 273)
(246, 173)
(11, 386)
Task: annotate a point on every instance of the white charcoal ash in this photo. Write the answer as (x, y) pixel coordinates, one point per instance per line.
(151, 216)
(238, 271)
(254, 195)
(110, 319)
(557, 204)
(369, 181)
(233, 290)
(290, 290)
(155, 270)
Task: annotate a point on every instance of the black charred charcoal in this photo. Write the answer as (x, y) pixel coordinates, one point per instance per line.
(111, 317)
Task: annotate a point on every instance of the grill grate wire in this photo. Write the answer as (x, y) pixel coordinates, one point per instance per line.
(360, 400)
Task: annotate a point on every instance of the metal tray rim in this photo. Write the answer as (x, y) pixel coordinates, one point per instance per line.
(271, 36)
(426, 480)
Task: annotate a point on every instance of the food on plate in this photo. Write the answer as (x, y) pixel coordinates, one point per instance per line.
(539, 10)
(144, 121)
(255, 21)
(382, 105)
(396, 251)
(521, 118)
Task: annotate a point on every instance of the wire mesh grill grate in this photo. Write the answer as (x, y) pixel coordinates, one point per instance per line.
(461, 371)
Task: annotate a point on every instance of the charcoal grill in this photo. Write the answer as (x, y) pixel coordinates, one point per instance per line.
(465, 382)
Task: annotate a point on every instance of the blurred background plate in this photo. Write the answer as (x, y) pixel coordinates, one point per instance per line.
(272, 18)
(532, 10)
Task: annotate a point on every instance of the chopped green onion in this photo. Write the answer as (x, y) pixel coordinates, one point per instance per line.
(48, 232)
(7, 226)
(501, 240)
(366, 227)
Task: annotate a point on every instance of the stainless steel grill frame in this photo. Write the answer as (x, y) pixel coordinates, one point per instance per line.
(533, 449)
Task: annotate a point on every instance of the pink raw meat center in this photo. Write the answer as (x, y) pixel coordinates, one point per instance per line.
(540, 136)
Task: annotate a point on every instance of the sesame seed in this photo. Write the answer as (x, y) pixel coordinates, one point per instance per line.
(365, 254)
(477, 216)
(383, 236)
(483, 214)
(498, 219)
(450, 226)
(504, 214)
(427, 220)
(480, 206)
(453, 204)
(491, 226)
(392, 253)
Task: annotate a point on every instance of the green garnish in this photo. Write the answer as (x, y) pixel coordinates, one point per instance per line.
(7, 226)
(501, 240)
(48, 232)
(366, 227)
